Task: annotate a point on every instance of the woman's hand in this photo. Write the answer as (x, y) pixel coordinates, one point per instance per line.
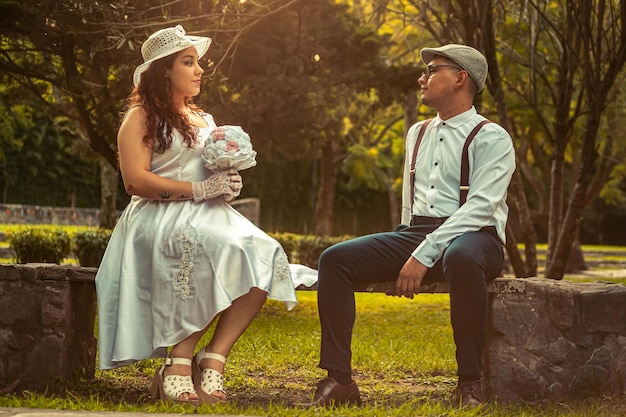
(227, 184)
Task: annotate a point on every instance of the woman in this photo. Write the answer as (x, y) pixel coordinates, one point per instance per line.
(180, 256)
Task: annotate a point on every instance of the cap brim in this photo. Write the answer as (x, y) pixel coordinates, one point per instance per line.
(200, 43)
(427, 55)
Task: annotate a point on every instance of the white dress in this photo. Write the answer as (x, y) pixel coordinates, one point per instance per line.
(171, 266)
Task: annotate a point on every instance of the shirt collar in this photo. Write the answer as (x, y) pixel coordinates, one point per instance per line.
(456, 121)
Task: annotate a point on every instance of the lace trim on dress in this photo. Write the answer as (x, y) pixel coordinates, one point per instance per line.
(180, 281)
(281, 266)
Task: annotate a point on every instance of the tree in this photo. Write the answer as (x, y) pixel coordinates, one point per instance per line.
(41, 158)
(572, 57)
(593, 37)
(469, 22)
(301, 85)
(564, 73)
(77, 57)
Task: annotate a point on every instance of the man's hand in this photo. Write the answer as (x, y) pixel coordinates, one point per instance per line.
(410, 278)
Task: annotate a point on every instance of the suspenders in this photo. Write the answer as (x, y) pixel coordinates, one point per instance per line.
(464, 182)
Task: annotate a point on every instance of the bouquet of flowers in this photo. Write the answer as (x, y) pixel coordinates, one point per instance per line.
(228, 147)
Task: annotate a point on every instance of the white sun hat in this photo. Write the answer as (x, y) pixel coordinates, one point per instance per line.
(166, 42)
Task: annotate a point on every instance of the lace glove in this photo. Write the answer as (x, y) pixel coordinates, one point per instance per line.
(226, 183)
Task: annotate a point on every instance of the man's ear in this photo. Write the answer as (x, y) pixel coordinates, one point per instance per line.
(462, 77)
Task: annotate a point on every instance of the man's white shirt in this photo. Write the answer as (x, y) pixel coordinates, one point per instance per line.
(437, 179)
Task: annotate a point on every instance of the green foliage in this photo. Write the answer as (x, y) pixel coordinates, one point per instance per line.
(43, 161)
(89, 246)
(333, 61)
(306, 249)
(40, 244)
(364, 166)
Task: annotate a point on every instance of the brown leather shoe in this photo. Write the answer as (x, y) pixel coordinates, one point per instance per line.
(330, 392)
(469, 394)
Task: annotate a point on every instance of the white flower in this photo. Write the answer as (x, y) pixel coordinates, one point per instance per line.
(228, 147)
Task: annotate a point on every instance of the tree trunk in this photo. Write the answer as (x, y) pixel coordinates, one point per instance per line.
(576, 258)
(563, 130)
(109, 178)
(326, 196)
(555, 205)
(516, 188)
(515, 258)
(571, 223)
(410, 117)
(392, 197)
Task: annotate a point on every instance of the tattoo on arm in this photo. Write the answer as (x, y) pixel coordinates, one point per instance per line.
(183, 197)
(165, 195)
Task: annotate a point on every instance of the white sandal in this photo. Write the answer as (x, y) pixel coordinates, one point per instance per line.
(208, 380)
(171, 387)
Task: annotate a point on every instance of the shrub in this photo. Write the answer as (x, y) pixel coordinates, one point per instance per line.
(39, 244)
(306, 249)
(89, 246)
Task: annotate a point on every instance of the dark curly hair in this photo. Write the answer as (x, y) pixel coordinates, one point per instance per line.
(154, 95)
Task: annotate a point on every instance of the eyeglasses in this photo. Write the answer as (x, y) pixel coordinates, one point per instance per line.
(431, 69)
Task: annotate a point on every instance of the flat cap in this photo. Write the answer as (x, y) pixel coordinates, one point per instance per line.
(468, 58)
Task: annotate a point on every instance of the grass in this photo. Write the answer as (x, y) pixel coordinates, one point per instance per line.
(70, 229)
(403, 358)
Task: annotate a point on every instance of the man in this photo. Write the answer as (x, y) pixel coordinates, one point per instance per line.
(449, 232)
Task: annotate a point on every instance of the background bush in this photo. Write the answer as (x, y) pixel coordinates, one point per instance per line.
(39, 244)
(54, 244)
(89, 246)
(306, 249)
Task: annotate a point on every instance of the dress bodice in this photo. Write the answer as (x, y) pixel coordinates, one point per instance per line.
(183, 163)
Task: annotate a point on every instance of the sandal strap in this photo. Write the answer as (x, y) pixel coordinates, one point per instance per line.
(176, 385)
(179, 361)
(175, 361)
(203, 354)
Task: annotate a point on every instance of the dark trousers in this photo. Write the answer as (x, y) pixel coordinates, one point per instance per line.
(468, 264)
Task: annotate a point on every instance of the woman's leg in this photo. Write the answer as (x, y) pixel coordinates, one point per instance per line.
(184, 349)
(230, 326)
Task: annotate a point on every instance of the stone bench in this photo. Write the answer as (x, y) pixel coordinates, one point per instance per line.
(546, 339)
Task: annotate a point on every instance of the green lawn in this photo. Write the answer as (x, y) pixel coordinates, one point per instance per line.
(403, 360)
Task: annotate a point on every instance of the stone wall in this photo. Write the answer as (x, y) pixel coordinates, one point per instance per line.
(556, 339)
(47, 317)
(547, 339)
(28, 214)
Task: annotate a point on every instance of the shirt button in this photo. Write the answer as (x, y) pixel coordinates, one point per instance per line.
(436, 163)
(440, 139)
(432, 206)
(432, 186)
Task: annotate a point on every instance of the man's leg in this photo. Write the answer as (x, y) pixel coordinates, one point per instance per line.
(470, 262)
(372, 258)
